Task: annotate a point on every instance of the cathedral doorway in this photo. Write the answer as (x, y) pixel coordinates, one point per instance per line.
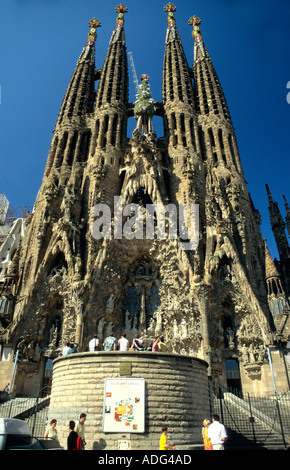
(233, 376)
(47, 378)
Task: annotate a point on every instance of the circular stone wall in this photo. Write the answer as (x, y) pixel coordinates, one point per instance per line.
(176, 395)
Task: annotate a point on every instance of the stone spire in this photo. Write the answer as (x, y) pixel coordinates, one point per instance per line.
(79, 96)
(112, 92)
(199, 48)
(216, 130)
(177, 86)
(278, 226)
(209, 92)
(270, 267)
(179, 108)
(77, 103)
(172, 32)
(118, 33)
(287, 215)
(277, 299)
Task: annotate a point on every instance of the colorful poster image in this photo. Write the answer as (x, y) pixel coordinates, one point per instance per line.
(124, 405)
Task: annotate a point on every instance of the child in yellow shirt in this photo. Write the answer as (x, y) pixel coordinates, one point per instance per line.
(163, 440)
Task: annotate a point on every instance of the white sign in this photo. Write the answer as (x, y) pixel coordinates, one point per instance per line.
(124, 445)
(124, 405)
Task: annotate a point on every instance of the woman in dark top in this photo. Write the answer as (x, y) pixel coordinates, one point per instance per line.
(72, 437)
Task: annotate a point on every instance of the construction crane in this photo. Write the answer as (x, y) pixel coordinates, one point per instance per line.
(4, 206)
(135, 78)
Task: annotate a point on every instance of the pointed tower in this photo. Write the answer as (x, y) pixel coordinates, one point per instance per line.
(227, 200)
(277, 299)
(278, 227)
(110, 118)
(287, 215)
(52, 255)
(276, 295)
(180, 114)
(232, 252)
(77, 103)
(215, 125)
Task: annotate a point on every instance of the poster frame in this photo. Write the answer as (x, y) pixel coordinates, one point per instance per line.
(141, 427)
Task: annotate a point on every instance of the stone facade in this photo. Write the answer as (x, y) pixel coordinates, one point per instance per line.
(176, 391)
(65, 284)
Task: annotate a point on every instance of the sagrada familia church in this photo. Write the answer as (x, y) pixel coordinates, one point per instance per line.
(223, 300)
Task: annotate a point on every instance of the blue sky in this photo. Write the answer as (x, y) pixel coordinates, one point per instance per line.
(249, 42)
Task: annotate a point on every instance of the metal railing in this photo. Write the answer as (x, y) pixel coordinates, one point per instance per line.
(262, 422)
(33, 410)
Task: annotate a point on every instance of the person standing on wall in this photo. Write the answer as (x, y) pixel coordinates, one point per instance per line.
(155, 346)
(94, 344)
(162, 345)
(137, 344)
(110, 343)
(123, 343)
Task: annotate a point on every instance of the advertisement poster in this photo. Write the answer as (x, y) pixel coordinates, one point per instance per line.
(124, 405)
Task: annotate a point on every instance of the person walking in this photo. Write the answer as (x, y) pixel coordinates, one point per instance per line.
(72, 437)
(163, 445)
(51, 432)
(206, 441)
(217, 433)
(80, 428)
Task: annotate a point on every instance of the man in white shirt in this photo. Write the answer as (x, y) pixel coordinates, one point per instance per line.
(123, 343)
(65, 349)
(217, 433)
(94, 344)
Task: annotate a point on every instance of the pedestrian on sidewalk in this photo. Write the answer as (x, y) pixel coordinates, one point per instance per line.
(206, 441)
(51, 432)
(72, 437)
(80, 428)
(163, 445)
(217, 433)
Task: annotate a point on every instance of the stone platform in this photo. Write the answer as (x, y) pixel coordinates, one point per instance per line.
(176, 395)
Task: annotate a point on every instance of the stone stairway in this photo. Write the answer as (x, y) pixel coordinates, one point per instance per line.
(25, 409)
(255, 426)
